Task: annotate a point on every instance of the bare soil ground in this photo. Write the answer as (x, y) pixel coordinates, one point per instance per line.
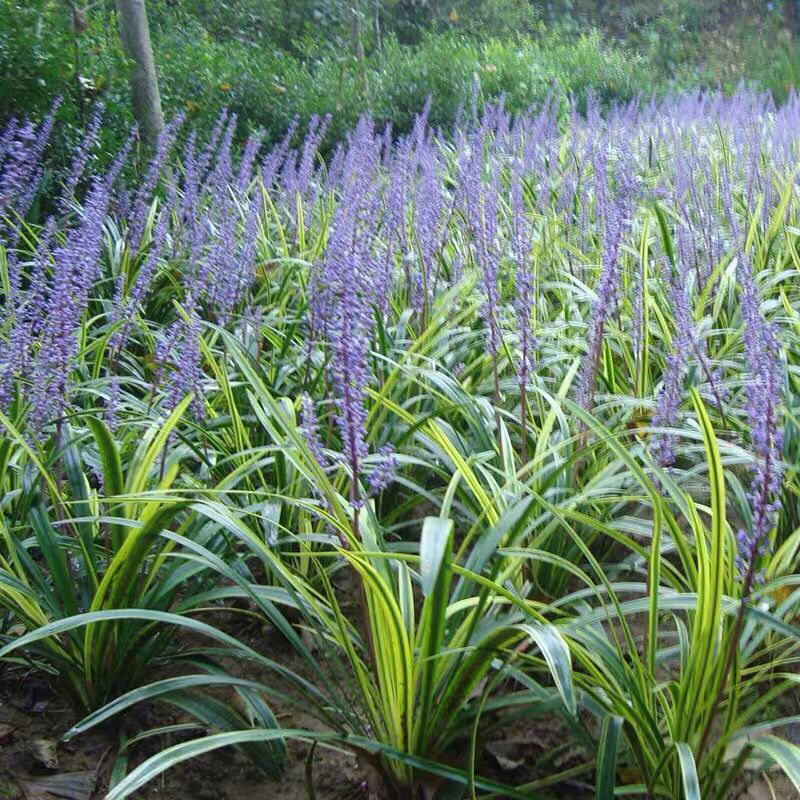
(35, 764)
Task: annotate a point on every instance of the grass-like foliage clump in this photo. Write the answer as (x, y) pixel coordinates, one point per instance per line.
(487, 427)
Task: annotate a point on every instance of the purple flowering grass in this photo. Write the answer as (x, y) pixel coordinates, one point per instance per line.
(208, 235)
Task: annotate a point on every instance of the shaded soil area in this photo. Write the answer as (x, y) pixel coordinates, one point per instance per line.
(35, 764)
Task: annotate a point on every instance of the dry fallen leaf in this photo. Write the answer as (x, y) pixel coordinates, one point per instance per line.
(67, 785)
(44, 752)
(507, 754)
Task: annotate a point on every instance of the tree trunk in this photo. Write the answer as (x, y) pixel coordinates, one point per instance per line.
(377, 25)
(135, 34)
(358, 46)
(358, 42)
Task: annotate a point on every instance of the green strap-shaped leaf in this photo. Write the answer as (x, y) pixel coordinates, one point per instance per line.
(607, 758)
(435, 551)
(785, 754)
(154, 690)
(433, 544)
(269, 755)
(556, 653)
(112, 469)
(178, 753)
(691, 785)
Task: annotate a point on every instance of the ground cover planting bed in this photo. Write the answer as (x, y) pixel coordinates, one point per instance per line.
(460, 464)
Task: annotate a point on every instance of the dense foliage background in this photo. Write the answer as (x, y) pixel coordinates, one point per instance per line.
(271, 60)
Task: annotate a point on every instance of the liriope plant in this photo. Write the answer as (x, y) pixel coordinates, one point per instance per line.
(92, 587)
(664, 681)
(508, 323)
(399, 690)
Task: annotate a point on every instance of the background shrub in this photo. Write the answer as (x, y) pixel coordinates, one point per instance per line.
(272, 60)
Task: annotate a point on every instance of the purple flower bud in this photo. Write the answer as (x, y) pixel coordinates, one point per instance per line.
(89, 141)
(763, 394)
(309, 427)
(383, 473)
(143, 201)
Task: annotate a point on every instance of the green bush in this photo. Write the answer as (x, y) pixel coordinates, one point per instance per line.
(267, 88)
(527, 72)
(43, 56)
(776, 67)
(524, 71)
(247, 60)
(442, 67)
(199, 75)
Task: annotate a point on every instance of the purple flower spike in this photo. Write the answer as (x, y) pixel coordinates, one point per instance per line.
(181, 343)
(19, 166)
(383, 473)
(524, 284)
(88, 143)
(613, 214)
(309, 427)
(75, 272)
(763, 395)
(144, 198)
(683, 341)
(35, 172)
